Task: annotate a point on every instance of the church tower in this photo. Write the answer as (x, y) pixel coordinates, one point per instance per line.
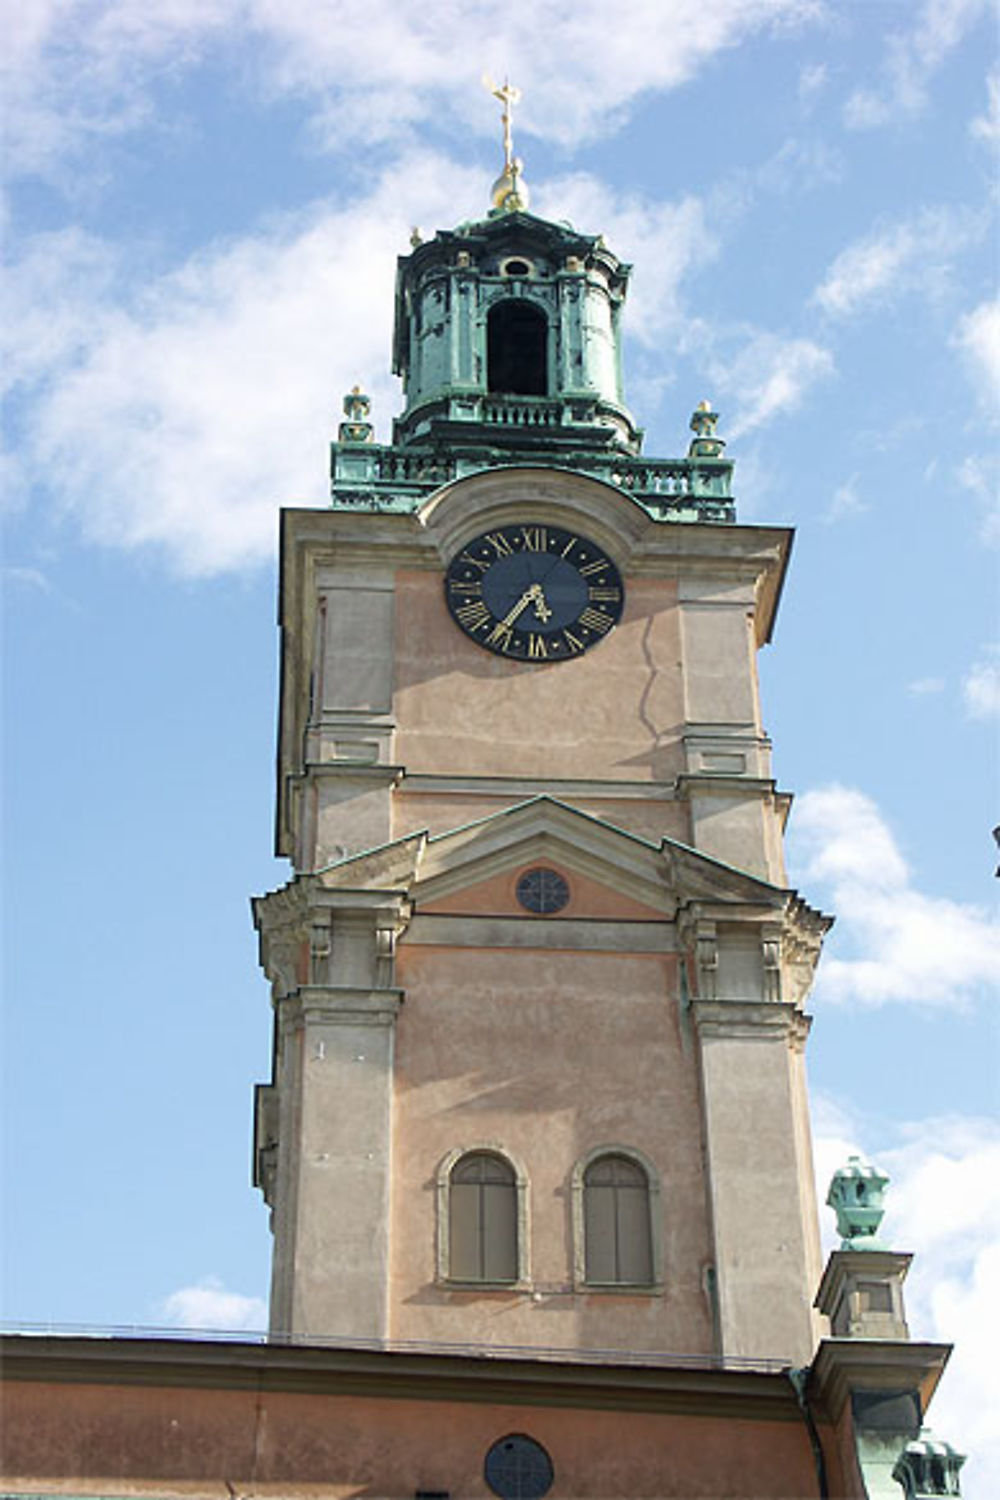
(538, 979)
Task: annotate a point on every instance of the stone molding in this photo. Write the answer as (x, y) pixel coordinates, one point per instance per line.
(371, 1368)
(443, 1224)
(513, 788)
(578, 934)
(579, 1247)
(723, 783)
(339, 1005)
(843, 1366)
(748, 1020)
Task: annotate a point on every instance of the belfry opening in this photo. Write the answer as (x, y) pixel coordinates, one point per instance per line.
(517, 349)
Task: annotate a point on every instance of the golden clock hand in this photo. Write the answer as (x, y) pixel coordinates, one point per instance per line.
(530, 596)
(542, 610)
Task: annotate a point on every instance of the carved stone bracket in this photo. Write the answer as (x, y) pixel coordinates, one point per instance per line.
(707, 959)
(770, 952)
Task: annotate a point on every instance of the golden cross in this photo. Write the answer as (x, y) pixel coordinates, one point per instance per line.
(508, 95)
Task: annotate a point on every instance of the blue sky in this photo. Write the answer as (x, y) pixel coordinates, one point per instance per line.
(202, 210)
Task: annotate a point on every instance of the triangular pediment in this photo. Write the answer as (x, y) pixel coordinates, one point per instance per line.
(652, 880)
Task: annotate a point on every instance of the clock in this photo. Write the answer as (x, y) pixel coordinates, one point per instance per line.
(534, 592)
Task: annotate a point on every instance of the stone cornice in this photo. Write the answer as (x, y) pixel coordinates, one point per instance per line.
(573, 934)
(842, 1366)
(520, 788)
(340, 1005)
(759, 1020)
(550, 1381)
(690, 783)
(356, 770)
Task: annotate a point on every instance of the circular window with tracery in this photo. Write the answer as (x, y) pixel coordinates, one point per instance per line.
(518, 1468)
(542, 890)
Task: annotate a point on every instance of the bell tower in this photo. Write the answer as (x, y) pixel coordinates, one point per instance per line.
(538, 980)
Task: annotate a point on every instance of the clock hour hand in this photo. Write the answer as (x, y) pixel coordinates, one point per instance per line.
(532, 595)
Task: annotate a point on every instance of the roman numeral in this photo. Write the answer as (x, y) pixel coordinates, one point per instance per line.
(464, 586)
(474, 562)
(598, 566)
(500, 544)
(593, 619)
(572, 642)
(595, 594)
(474, 615)
(535, 538)
(569, 546)
(501, 635)
(536, 646)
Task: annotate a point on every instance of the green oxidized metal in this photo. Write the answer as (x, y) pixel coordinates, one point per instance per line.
(508, 342)
(857, 1195)
(928, 1467)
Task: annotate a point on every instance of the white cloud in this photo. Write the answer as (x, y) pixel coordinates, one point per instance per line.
(981, 687)
(813, 80)
(913, 255)
(665, 241)
(892, 942)
(846, 502)
(208, 1305)
(81, 70)
(29, 578)
(183, 417)
(986, 127)
(769, 377)
(979, 473)
(923, 687)
(943, 1205)
(978, 336)
(911, 60)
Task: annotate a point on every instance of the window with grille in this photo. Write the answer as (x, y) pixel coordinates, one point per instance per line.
(482, 1219)
(617, 1228)
(518, 1468)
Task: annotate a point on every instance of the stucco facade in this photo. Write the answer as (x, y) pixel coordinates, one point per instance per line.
(423, 1013)
(435, 774)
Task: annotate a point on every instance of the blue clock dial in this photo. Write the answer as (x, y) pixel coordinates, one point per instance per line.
(534, 593)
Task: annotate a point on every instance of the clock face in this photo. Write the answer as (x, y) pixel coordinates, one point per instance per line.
(533, 592)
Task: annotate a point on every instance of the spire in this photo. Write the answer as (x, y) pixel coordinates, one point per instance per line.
(509, 193)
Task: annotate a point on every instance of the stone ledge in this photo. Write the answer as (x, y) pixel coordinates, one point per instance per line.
(843, 1366)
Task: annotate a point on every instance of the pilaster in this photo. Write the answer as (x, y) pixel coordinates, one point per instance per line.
(323, 1127)
(758, 1197)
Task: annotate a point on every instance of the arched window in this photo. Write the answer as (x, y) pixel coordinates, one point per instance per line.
(617, 1222)
(482, 1219)
(517, 349)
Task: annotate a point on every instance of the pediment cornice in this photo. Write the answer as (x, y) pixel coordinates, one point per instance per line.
(671, 878)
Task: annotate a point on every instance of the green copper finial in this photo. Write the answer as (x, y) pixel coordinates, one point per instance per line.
(509, 193)
(856, 1195)
(928, 1467)
(357, 428)
(705, 443)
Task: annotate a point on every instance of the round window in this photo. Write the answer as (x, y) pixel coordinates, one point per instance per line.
(516, 268)
(518, 1468)
(542, 890)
